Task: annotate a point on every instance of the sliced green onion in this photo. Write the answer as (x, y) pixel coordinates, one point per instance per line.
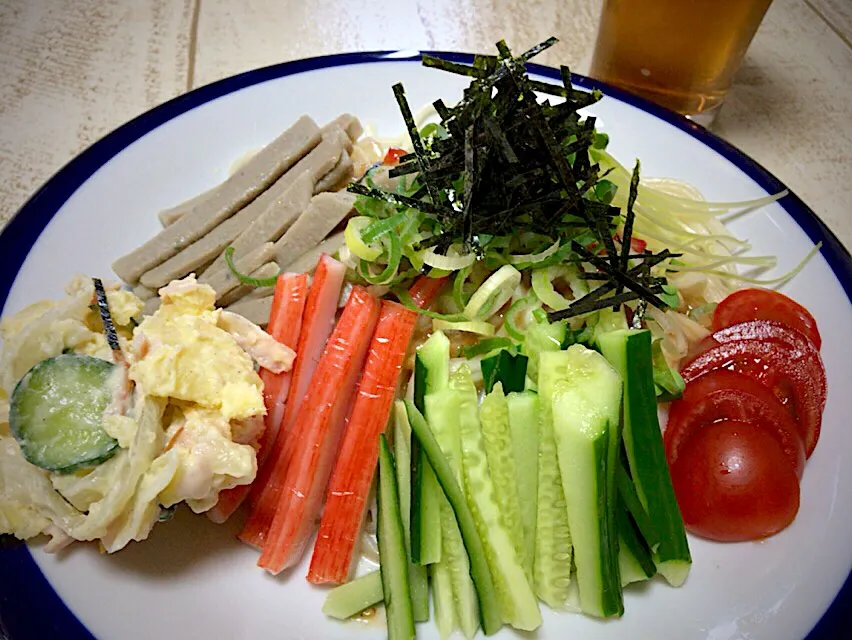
(496, 291)
(522, 305)
(379, 228)
(458, 287)
(479, 327)
(534, 258)
(449, 262)
(243, 278)
(391, 241)
(354, 237)
(542, 285)
(669, 296)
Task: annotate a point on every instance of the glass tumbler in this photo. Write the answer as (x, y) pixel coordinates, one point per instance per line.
(681, 54)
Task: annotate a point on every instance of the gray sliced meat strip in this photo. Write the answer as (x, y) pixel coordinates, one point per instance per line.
(245, 230)
(236, 192)
(172, 214)
(322, 159)
(269, 270)
(256, 310)
(349, 123)
(342, 173)
(144, 293)
(223, 281)
(326, 211)
(271, 223)
(307, 261)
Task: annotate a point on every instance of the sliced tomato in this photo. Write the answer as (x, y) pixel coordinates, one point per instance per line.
(793, 375)
(762, 330)
(728, 395)
(763, 304)
(733, 483)
(768, 330)
(393, 155)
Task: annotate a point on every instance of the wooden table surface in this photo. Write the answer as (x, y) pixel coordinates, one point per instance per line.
(72, 70)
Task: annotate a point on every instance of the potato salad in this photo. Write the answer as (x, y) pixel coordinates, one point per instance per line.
(173, 414)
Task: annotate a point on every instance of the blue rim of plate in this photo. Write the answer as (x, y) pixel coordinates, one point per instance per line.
(29, 607)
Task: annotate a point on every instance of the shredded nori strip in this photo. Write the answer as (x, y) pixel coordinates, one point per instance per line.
(106, 317)
(511, 164)
(627, 233)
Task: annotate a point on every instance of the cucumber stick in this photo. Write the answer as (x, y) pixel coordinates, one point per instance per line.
(442, 597)
(489, 608)
(523, 426)
(629, 351)
(431, 374)
(553, 548)
(634, 557)
(442, 409)
(353, 597)
(392, 554)
(417, 577)
(541, 337)
(586, 408)
(497, 438)
(518, 604)
(425, 510)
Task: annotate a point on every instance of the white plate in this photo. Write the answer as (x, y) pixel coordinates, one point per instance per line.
(192, 579)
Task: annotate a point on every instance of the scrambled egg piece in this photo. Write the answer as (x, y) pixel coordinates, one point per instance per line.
(180, 352)
(210, 460)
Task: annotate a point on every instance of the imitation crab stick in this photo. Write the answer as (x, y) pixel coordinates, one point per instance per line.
(285, 325)
(425, 290)
(317, 321)
(349, 487)
(310, 451)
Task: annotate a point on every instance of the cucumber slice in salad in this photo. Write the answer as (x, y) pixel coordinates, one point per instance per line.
(629, 351)
(489, 608)
(431, 374)
(586, 408)
(553, 550)
(353, 597)
(417, 575)
(497, 438)
(442, 411)
(392, 553)
(518, 604)
(523, 425)
(56, 413)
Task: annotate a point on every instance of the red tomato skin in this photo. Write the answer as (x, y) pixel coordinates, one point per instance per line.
(637, 245)
(795, 377)
(733, 483)
(764, 304)
(393, 155)
(729, 395)
(768, 330)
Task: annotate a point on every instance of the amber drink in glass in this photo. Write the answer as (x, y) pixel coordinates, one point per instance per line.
(681, 54)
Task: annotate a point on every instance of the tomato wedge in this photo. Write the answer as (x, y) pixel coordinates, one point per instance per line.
(733, 483)
(795, 377)
(768, 330)
(729, 395)
(393, 155)
(764, 304)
